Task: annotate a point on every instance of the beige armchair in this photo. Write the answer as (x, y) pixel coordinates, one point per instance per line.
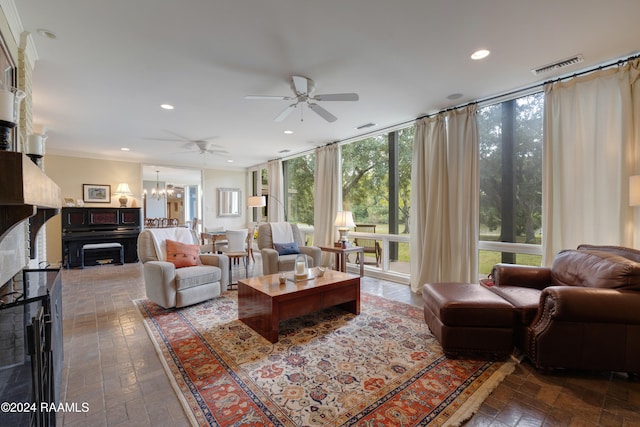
(272, 262)
(169, 286)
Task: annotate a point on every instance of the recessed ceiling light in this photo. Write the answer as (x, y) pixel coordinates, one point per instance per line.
(230, 161)
(47, 34)
(480, 54)
(288, 132)
(166, 106)
(454, 96)
(125, 149)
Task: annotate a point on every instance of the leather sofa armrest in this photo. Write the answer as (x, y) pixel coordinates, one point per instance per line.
(524, 276)
(218, 260)
(589, 305)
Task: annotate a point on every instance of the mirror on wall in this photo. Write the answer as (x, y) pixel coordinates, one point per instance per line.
(229, 202)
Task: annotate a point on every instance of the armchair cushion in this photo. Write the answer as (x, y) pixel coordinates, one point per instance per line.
(190, 277)
(630, 253)
(286, 248)
(182, 254)
(595, 269)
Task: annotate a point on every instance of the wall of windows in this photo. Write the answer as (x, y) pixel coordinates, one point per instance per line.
(376, 175)
(376, 185)
(510, 135)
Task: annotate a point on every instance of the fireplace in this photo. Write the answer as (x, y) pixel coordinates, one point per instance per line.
(31, 354)
(31, 347)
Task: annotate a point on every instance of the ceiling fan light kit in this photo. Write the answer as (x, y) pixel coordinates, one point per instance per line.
(303, 89)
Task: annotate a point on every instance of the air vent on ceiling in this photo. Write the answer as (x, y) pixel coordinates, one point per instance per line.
(556, 65)
(366, 125)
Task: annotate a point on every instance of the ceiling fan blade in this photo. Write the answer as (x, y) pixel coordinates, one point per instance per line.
(217, 151)
(182, 137)
(322, 112)
(276, 97)
(164, 139)
(280, 117)
(337, 97)
(207, 139)
(301, 84)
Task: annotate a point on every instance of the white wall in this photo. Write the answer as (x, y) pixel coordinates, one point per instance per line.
(214, 179)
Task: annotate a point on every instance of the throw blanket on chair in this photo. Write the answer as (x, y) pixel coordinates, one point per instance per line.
(161, 235)
(281, 232)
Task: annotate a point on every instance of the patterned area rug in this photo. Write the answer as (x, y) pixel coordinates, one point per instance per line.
(331, 368)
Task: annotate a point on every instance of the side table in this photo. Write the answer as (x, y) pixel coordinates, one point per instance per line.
(341, 256)
(233, 257)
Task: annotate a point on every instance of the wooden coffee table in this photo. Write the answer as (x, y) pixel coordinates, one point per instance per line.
(263, 302)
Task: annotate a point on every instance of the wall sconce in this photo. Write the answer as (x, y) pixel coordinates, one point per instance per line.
(344, 220)
(123, 190)
(10, 99)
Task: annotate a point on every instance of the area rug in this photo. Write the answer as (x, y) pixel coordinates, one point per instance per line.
(332, 368)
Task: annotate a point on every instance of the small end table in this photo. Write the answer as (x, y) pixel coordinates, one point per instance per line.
(341, 256)
(233, 256)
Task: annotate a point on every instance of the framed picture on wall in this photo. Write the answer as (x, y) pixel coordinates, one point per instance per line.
(96, 193)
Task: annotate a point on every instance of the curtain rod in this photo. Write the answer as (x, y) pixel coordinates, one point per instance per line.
(478, 101)
(536, 85)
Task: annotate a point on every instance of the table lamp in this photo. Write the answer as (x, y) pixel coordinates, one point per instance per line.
(344, 220)
(124, 191)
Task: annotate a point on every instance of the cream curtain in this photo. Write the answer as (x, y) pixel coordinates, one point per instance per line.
(590, 147)
(444, 199)
(327, 195)
(276, 191)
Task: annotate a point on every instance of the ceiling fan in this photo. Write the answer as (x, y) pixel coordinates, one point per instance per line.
(303, 89)
(203, 145)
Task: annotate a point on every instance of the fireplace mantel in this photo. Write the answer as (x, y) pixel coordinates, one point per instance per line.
(25, 192)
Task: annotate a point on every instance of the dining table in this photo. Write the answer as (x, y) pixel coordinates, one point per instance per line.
(214, 236)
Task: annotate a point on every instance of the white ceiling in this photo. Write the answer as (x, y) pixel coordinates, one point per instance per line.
(99, 85)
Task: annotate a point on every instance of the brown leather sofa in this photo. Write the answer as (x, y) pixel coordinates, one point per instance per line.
(582, 313)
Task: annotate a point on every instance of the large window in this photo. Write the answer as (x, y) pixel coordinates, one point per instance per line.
(376, 182)
(298, 182)
(511, 181)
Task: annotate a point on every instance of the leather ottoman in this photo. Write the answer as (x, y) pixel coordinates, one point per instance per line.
(469, 320)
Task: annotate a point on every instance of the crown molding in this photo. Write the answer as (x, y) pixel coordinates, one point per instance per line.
(21, 38)
(13, 19)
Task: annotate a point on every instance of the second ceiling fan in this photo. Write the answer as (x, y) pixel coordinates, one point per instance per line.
(303, 88)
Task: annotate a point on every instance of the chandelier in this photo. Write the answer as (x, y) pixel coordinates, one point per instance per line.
(158, 193)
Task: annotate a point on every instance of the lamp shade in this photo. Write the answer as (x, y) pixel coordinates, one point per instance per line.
(123, 188)
(634, 190)
(344, 219)
(256, 201)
